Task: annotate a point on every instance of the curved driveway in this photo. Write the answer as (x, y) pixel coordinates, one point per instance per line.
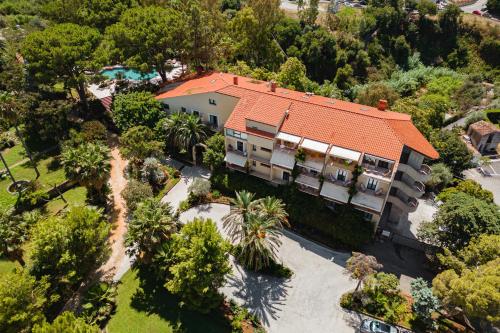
(308, 302)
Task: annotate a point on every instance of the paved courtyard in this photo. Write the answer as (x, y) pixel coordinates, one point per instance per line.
(491, 183)
(308, 302)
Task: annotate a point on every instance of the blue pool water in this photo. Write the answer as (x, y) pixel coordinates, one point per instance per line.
(127, 73)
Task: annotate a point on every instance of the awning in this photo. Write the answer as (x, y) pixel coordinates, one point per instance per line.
(317, 146)
(345, 153)
(284, 158)
(236, 159)
(288, 137)
(335, 192)
(368, 201)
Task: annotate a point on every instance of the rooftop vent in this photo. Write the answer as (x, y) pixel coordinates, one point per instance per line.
(235, 80)
(309, 94)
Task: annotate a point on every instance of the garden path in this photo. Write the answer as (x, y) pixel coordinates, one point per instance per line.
(119, 262)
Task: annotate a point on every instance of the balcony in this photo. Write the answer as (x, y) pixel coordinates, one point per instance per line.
(336, 190)
(406, 205)
(422, 174)
(283, 157)
(308, 182)
(370, 199)
(313, 162)
(377, 172)
(417, 189)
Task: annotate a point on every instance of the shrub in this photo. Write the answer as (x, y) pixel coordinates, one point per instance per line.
(216, 194)
(152, 172)
(135, 192)
(372, 93)
(99, 303)
(198, 189)
(94, 131)
(184, 205)
(346, 301)
(474, 118)
(441, 176)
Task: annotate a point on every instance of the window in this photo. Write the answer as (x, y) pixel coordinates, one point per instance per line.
(211, 101)
(367, 216)
(341, 174)
(383, 164)
(265, 165)
(196, 113)
(236, 134)
(372, 184)
(166, 107)
(254, 147)
(265, 149)
(213, 120)
(183, 109)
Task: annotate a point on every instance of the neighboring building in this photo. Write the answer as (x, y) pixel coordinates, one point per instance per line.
(266, 127)
(484, 136)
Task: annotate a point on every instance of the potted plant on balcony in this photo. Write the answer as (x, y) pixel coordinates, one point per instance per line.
(300, 156)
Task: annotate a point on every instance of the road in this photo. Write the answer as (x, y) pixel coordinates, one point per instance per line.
(478, 5)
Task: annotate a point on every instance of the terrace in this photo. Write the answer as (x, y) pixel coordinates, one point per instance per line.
(377, 167)
(314, 155)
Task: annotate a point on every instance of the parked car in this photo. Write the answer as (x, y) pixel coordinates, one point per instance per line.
(375, 326)
(476, 12)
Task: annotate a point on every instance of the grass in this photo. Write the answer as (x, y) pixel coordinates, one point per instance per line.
(146, 306)
(13, 155)
(75, 197)
(50, 174)
(6, 265)
(168, 186)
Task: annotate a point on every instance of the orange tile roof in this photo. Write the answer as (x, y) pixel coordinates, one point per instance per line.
(344, 124)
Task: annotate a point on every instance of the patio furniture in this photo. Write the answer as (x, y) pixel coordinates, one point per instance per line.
(362, 187)
(379, 192)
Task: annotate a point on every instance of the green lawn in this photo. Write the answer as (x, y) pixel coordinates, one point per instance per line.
(150, 308)
(75, 197)
(13, 155)
(50, 174)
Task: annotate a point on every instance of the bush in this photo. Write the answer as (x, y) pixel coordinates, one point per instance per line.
(135, 192)
(216, 194)
(152, 172)
(346, 301)
(94, 131)
(7, 140)
(372, 93)
(184, 205)
(474, 118)
(198, 189)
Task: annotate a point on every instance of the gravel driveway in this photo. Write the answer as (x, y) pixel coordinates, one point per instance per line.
(308, 302)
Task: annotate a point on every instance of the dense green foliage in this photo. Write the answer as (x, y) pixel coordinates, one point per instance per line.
(152, 224)
(462, 217)
(198, 262)
(68, 248)
(135, 192)
(22, 301)
(424, 302)
(66, 322)
(215, 152)
(452, 150)
(136, 109)
(469, 187)
(138, 143)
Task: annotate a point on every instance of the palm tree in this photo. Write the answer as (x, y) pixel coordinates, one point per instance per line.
(237, 218)
(170, 127)
(151, 225)
(88, 164)
(10, 107)
(256, 226)
(191, 132)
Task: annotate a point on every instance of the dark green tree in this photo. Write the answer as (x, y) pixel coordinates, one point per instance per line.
(136, 109)
(452, 150)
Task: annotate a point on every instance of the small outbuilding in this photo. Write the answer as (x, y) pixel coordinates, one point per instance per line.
(484, 136)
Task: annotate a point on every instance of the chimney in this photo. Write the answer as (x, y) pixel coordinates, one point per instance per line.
(235, 80)
(382, 104)
(273, 86)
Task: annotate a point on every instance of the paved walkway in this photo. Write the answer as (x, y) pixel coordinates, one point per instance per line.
(180, 191)
(119, 262)
(308, 302)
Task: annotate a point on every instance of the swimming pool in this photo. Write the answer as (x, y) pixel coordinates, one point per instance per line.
(127, 73)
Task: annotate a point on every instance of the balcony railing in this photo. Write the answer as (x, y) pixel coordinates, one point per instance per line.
(378, 193)
(377, 171)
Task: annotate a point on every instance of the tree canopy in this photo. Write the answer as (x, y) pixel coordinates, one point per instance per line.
(136, 109)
